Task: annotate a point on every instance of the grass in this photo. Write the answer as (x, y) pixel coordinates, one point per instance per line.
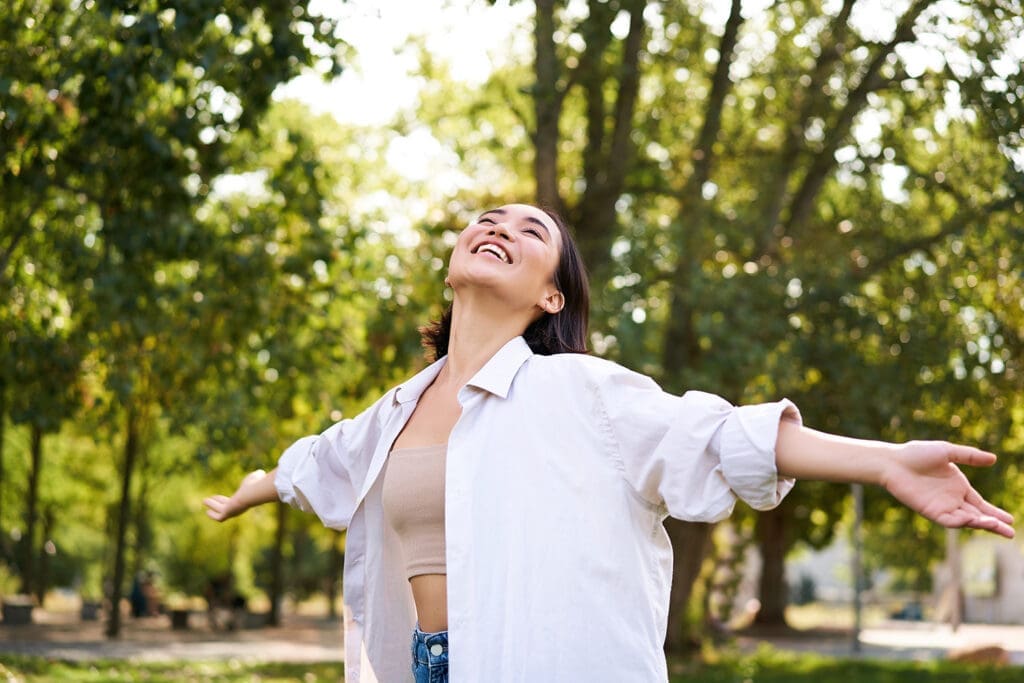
(38, 669)
(767, 665)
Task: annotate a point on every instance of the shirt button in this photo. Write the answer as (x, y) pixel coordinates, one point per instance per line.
(436, 649)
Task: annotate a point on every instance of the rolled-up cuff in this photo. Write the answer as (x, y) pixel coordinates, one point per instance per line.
(748, 452)
(284, 479)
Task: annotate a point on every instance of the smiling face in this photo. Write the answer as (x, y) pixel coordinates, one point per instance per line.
(512, 252)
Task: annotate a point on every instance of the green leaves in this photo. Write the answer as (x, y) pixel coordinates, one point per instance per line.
(114, 122)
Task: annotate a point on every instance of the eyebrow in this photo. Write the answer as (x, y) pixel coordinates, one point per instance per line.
(530, 219)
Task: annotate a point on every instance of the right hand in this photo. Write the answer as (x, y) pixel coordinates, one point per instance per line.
(220, 507)
(926, 478)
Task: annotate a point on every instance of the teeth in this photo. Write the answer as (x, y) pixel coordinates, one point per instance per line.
(497, 251)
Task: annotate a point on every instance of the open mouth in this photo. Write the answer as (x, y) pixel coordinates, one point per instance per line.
(495, 250)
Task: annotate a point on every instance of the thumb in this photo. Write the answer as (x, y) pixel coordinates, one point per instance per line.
(968, 455)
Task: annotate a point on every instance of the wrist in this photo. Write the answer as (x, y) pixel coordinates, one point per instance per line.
(257, 488)
(237, 506)
(889, 459)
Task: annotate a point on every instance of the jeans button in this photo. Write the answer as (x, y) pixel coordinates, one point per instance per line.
(436, 649)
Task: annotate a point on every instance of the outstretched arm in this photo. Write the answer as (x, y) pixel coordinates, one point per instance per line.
(256, 488)
(923, 475)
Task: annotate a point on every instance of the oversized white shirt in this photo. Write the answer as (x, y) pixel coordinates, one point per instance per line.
(560, 472)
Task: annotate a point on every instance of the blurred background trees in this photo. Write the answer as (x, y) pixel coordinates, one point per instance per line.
(812, 199)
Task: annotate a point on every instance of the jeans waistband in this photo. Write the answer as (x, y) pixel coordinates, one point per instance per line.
(428, 639)
(431, 646)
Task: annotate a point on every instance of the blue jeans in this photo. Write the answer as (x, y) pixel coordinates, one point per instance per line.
(430, 656)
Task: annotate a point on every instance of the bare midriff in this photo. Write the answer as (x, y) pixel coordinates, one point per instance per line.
(431, 423)
(430, 593)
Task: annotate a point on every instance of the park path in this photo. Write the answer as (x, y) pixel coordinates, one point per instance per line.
(303, 638)
(906, 640)
(64, 636)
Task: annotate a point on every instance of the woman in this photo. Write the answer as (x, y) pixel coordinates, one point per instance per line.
(511, 495)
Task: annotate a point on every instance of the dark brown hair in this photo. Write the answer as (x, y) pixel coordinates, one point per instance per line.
(562, 332)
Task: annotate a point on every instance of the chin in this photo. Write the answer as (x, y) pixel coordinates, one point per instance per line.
(481, 278)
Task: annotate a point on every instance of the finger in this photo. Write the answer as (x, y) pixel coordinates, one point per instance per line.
(997, 512)
(971, 516)
(968, 455)
(957, 518)
(989, 523)
(987, 508)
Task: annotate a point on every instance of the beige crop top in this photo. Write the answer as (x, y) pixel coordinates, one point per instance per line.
(413, 500)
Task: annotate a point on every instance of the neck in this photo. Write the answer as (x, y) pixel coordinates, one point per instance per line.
(477, 333)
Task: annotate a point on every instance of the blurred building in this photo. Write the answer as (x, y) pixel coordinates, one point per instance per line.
(992, 571)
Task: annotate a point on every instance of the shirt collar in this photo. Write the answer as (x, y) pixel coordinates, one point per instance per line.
(495, 376)
(414, 388)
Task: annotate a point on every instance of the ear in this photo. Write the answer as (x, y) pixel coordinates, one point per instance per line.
(552, 302)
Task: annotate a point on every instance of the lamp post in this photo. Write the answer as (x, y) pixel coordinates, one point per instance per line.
(953, 590)
(858, 570)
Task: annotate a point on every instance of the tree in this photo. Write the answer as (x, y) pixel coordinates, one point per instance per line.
(142, 100)
(40, 370)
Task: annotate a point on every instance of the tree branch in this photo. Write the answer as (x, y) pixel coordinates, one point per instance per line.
(824, 161)
(807, 104)
(703, 152)
(961, 221)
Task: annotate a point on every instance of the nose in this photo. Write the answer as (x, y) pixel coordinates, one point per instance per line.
(499, 230)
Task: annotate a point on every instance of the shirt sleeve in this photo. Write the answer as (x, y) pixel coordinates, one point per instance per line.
(324, 473)
(694, 454)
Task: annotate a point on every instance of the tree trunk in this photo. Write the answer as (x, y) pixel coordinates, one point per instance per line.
(547, 104)
(597, 35)
(28, 568)
(773, 542)
(605, 164)
(277, 566)
(131, 451)
(140, 521)
(334, 572)
(680, 348)
(3, 425)
(620, 154)
(42, 579)
(691, 542)
(297, 559)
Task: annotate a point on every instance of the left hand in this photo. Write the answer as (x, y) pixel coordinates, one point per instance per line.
(249, 493)
(924, 476)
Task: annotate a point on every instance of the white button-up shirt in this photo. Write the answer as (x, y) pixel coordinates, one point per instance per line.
(561, 470)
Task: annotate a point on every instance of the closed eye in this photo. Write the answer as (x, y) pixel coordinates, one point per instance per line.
(531, 231)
